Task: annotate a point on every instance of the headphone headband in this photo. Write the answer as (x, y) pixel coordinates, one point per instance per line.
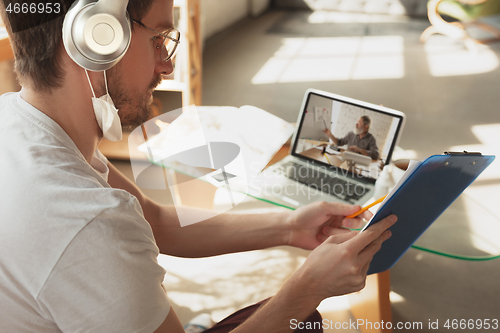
(96, 34)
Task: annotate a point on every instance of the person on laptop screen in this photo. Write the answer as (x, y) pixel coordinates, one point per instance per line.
(359, 140)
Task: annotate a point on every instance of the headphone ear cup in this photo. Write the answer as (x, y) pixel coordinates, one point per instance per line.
(96, 35)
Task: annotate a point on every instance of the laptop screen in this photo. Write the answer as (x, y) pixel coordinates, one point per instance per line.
(346, 134)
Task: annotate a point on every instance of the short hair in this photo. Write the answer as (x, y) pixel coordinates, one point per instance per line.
(37, 49)
(367, 121)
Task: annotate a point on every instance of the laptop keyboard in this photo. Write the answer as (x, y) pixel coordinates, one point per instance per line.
(324, 182)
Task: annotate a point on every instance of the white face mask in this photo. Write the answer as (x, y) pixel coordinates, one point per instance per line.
(106, 114)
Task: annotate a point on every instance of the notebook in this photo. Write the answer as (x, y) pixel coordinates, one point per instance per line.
(318, 169)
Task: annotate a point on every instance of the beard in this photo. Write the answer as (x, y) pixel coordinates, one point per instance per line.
(133, 106)
(357, 131)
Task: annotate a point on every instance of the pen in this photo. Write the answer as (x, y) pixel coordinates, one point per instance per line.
(367, 207)
(327, 159)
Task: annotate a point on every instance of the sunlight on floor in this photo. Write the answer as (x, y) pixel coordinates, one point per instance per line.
(484, 221)
(347, 7)
(223, 284)
(334, 58)
(448, 58)
(332, 304)
(395, 297)
(480, 200)
(323, 16)
(488, 135)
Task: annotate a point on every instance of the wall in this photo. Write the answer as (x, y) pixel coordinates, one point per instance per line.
(397, 7)
(216, 15)
(313, 126)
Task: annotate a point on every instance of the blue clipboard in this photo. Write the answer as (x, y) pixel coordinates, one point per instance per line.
(422, 198)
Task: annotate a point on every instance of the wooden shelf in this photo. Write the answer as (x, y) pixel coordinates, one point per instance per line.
(5, 49)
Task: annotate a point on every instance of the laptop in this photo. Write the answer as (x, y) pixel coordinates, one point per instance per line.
(318, 170)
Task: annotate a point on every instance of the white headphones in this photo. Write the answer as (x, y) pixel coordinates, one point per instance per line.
(96, 34)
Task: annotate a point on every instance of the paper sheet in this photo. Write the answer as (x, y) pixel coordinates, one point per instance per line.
(258, 133)
(413, 165)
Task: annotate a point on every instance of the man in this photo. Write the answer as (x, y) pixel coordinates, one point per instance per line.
(360, 140)
(79, 241)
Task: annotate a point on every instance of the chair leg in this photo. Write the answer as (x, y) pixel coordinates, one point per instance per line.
(427, 33)
(489, 29)
(471, 45)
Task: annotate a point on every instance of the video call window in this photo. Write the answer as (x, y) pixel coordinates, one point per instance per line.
(340, 119)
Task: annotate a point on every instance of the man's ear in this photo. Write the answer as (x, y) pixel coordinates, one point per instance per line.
(72, 71)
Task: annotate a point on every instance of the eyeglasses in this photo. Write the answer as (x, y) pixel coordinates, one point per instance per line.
(170, 41)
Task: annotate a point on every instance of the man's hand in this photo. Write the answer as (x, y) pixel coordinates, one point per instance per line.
(339, 265)
(309, 226)
(330, 135)
(327, 132)
(355, 149)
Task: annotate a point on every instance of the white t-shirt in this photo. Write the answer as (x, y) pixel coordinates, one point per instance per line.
(75, 254)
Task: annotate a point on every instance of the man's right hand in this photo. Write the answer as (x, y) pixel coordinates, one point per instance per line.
(330, 135)
(336, 267)
(327, 132)
(339, 265)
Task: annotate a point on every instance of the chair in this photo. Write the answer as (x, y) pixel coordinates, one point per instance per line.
(468, 13)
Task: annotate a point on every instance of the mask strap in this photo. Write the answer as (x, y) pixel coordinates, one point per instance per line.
(91, 83)
(106, 82)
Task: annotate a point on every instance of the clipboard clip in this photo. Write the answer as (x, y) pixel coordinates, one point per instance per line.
(465, 152)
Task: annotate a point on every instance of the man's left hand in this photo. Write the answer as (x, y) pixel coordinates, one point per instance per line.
(311, 225)
(355, 149)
